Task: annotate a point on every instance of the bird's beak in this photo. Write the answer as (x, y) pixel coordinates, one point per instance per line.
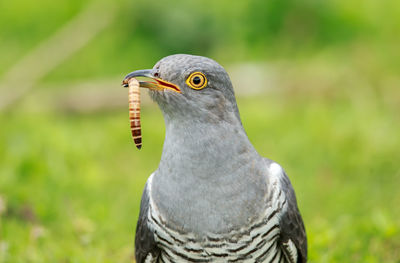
(153, 83)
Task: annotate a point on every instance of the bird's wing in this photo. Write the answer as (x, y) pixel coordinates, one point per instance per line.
(292, 226)
(146, 250)
(293, 239)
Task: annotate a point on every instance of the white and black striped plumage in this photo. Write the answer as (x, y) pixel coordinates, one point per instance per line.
(213, 198)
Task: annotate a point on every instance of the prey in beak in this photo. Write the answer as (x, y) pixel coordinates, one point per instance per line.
(153, 82)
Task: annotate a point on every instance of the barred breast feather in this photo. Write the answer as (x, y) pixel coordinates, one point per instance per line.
(259, 241)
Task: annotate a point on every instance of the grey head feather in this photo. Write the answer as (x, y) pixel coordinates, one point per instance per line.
(216, 102)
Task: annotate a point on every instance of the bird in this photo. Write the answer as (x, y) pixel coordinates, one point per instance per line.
(213, 198)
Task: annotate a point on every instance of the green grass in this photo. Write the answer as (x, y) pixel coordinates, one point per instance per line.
(72, 183)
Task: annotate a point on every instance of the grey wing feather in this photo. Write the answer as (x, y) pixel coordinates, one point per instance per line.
(292, 226)
(145, 245)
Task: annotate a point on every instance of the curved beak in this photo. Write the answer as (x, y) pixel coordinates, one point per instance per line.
(153, 82)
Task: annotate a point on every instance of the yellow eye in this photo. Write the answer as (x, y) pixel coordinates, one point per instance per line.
(197, 80)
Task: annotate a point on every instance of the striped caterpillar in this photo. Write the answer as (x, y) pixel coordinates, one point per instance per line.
(134, 111)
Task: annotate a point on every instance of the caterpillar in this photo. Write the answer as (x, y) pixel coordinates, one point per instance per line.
(134, 111)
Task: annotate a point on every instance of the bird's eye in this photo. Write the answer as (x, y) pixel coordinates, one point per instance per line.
(197, 80)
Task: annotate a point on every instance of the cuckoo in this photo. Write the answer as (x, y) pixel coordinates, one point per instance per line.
(213, 198)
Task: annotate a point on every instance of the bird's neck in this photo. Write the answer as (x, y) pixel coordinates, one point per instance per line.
(203, 149)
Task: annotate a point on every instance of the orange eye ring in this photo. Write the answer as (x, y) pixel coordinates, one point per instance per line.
(196, 80)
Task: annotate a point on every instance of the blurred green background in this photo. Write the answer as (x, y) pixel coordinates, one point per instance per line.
(318, 88)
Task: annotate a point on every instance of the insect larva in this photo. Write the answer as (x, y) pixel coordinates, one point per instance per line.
(134, 111)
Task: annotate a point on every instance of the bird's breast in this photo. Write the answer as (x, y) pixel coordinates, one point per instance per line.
(254, 242)
(214, 204)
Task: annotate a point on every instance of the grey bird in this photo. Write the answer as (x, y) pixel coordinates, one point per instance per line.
(213, 198)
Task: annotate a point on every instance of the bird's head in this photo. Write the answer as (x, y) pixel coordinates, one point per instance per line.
(187, 86)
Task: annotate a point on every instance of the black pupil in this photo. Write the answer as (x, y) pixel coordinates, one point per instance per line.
(196, 80)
